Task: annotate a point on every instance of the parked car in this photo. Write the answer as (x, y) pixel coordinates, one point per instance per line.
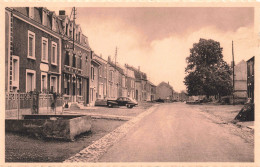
(122, 101)
(160, 100)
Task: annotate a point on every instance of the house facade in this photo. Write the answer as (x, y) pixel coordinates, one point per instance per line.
(164, 91)
(94, 80)
(140, 83)
(33, 47)
(151, 91)
(130, 82)
(240, 87)
(76, 62)
(250, 78)
(102, 77)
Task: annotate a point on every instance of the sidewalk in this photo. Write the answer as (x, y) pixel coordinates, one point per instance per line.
(93, 152)
(119, 113)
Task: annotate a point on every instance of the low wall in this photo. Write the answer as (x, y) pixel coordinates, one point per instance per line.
(13, 114)
(50, 126)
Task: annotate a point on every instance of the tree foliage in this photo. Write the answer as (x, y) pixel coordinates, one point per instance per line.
(207, 72)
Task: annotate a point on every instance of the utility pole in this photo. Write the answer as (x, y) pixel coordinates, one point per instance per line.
(233, 66)
(115, 55)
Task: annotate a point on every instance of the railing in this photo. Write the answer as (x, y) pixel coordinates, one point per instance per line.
(25, 100)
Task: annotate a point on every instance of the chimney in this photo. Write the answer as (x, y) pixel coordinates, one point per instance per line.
(138, 68)
(62, 12)
(101, 55)
(109, 59)
(168, 83)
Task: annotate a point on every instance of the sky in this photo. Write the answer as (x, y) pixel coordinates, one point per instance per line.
(159, 39)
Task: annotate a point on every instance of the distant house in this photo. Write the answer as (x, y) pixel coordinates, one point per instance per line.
(250, 78)
(151, 91)
(240, 87)
(183, 96)
(176, 96)
(140, 83)
(164, 91)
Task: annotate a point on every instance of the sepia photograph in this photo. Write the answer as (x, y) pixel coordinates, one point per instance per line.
(93, 84)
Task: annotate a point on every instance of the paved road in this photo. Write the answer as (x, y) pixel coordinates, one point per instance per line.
(177, 133)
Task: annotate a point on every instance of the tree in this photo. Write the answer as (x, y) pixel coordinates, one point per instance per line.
(207, 73)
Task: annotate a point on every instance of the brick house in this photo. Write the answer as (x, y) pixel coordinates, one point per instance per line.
(76, 62)
(250, 78)
(34, 50)
(33, 59)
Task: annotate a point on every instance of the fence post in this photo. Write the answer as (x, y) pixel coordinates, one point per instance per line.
(18, 104)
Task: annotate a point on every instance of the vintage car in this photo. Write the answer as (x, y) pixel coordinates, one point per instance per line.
(122, 101)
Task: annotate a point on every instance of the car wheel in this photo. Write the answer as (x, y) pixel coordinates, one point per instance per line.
(129, 106)
(110, 105)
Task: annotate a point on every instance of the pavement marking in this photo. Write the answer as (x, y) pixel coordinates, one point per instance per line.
(93, 152)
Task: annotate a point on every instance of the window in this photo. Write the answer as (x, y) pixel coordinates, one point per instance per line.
(132, 83)
(80, 63)
(53, 53)
(30, 80)
(92, 73)
(53, 84)
(74, 60)
(67, 58)
(53, 23)
(79, 85)
(99, 72)
(111, 75)
(66, 84)
(44, 49)
(44, 82)
(31, 45)
(44, 18)
(15, 72)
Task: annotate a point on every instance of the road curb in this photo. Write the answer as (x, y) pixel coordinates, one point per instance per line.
(93, 152)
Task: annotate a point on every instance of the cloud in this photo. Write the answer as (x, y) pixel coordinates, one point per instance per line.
(163, 59)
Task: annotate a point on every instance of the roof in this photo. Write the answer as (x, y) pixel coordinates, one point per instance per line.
(165, 84)
(151, 83)
(251, 59)
(138, 74)
(117, 67)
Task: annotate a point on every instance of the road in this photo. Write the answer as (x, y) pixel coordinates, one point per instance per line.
(176, 132)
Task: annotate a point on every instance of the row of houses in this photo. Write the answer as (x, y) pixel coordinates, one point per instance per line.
(49, 53)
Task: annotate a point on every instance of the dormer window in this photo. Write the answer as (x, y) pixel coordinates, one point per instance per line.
(31, 12)
(53, 23)
(44, 18)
